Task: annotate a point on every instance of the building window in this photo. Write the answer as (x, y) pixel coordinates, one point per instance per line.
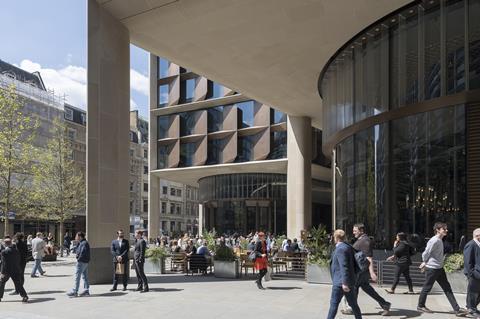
(132, 152)
(187, 123)
(246, 114)
(164, 190)
(145, 205)
(172, 208)
(172, 191)
(215, 119)
(71, 156)
(68, 114)
(71, 134)
(179, 210)
(215, 151)
(245, 147)
(163, 66)
(187, 154)
(278, 145)
(162, 127)
(162, 155)
(83, 118)
(187, 90)
(164, 226)
(163, 91)
(164, 208)
(145, 170)
(277, 117)
(145, 153)
(131, 186)
(179, 192)
(131, 207)
(172, 226)
(145, 187)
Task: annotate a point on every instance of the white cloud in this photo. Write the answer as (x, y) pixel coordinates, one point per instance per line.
(139, 82)
(72, 81)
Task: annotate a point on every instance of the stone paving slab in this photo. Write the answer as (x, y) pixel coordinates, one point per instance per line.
(179, 296)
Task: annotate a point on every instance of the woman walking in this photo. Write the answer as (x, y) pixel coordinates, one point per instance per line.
(402, 251)
(261, 262)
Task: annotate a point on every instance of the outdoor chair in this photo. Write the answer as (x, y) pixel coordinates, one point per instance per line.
(246, 263)
(178, 262)
(197, 264)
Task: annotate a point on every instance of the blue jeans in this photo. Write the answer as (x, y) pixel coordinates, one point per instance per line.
(81, 270)
(337, 294)
(37, 266)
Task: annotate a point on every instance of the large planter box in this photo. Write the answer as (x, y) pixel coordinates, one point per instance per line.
(154, 268)
(226, 269)
(318, 275)
(458, 281)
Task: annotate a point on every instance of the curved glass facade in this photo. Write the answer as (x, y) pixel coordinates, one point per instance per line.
(430, 49)
(241, 203)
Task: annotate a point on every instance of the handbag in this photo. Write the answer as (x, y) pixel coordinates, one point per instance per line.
(252, 256)
(268, 275)
(119, 269)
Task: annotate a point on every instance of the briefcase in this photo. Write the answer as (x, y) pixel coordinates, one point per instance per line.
(120, 269)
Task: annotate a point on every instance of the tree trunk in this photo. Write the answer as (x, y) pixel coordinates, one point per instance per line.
(60, 236)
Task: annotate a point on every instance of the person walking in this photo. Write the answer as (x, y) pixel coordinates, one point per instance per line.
(119, 250)
(22, 248)
(38, 252)
(402, 252)
(139, 261)
(471, 256)
(81, 269)
(11, 269)
(364, 244)
(67, 241)
(433, 259)
(342, 269)
(261, 261)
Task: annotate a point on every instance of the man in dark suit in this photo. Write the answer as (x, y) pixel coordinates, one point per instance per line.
(139, 261)
(343, 272)
(119, 250)
(22, 248)
(471, 255)
(11, 269)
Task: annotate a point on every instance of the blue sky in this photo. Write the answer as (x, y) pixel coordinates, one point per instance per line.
(50, 36)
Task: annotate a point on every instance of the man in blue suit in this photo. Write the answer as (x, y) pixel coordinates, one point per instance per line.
(471, 256)
(119, 250)
(342, 269)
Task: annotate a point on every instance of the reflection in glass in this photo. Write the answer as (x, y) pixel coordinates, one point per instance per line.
(245, 147)
(163, 91)
(162, 126)
(162, 155)
(277, 117)
(215, 119)
(187, 90)
(215, 151)
(217, 90)
(246, 114)
(278, 145)
(455, 46)
(187, 154)
(163, 65)
(474, 43)
(187, 123)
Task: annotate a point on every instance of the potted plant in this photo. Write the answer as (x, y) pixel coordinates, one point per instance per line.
(454, 268)
(155, 260)
(225, 263)
(319, 254)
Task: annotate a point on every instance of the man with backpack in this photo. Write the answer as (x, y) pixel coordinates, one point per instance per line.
(343, 271)
(364, 249)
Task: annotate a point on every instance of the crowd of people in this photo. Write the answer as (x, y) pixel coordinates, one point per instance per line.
(351, 265)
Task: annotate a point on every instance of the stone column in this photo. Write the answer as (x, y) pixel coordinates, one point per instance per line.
(299, 175)
(154, 207)
(200, 219)
(108, 93)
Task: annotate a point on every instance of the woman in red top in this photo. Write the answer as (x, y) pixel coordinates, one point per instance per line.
(261, 262)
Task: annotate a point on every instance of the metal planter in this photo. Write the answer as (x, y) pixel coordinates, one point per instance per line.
(316, 274)
(154, 267)
(226, 269)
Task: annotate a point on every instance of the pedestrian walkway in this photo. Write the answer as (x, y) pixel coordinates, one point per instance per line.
(199, 297)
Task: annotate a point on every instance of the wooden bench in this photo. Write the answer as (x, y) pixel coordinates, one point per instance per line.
(178, 262)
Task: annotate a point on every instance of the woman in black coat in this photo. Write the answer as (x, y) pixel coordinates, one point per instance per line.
(402, 252)
(261, 261)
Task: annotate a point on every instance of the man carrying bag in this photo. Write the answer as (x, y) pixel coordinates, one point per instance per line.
(119, 250)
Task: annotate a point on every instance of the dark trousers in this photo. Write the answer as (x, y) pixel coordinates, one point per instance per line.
(438, 275)
(336, 297)
(23, 264)
(473, 294)
(16, 281)
(261, 274)
(369, 290)
(402, 269)
(141, 278)
(124, 277)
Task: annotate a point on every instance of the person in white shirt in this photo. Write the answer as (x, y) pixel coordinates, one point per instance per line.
(38, 252)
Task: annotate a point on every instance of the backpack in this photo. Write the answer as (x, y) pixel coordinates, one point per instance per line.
(361, 262)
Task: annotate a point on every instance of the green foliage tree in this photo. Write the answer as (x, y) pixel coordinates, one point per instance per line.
(17, 133)
(58, 183)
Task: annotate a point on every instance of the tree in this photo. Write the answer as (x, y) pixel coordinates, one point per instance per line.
(17, 132)
(58, 183)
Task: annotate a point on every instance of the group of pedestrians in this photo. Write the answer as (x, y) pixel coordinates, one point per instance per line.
(350, 272)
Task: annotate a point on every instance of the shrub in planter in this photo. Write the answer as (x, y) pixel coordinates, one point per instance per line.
(224, 253)
(225, 262)
(155, 259)
(454, 268)
(319, 255)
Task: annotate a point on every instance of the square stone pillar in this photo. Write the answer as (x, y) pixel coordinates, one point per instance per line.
(200, 219)
(154, 207)
(108, 94)
(299, 175)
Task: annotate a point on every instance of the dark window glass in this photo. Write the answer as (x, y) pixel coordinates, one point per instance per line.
(187, 154)
(245, 147)
(455, 46)
(278, 145)
(187, 123)
(474, 43)
(432, 53)
(145, 187)
(145, 170)
(164, 208)
(163, 123)
(215, 119)
(163, 66)
(163, 92)
(187, 90)
(215, 151)
(145, 205)
(277, 117)
(162, 155)
(410, 38)
(172, 191)
(317, 153)
(164, 190)
(246, 114)
(217, 90)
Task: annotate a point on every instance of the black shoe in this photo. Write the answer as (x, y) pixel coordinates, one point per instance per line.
(139, 289)
(124, 288)
(145, 290)
(13, 293)
(424, 310)
(34, 276)
(461, 312)
(113, 288)
(259, 285)
(25, 299)
(386, 306)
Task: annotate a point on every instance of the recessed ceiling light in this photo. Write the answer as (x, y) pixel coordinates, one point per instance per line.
(431, 1)
(364, 38)
(393, 20)
(377, 29)
(411, 11)
(352, 47)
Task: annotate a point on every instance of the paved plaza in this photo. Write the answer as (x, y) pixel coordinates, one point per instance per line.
(179, 296)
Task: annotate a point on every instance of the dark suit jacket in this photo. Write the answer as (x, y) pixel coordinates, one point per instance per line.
(10, 261)
(120, 250)
(259, 249)
(23, 251)
(342, 267)
(471, 256)
(139, 253)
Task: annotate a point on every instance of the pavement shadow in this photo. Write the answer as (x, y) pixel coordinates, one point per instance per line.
(109, 294)
(165, 289)
(172, 279)
(400, 313)
(46, 292)
(56, 276)
(283, 288)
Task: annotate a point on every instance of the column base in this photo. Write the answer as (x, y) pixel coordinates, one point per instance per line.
(100, 267)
